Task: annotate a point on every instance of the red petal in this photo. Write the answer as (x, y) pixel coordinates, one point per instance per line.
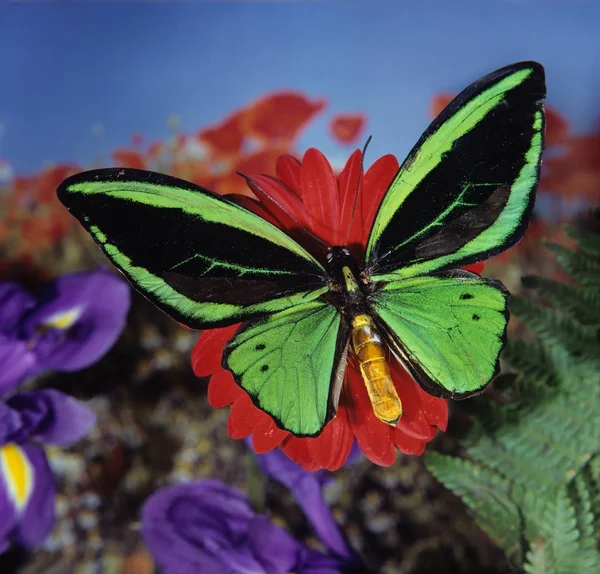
(413, 421)
(285, 206)
(407, 444)
(297, 450)
(331, 448)
(438, 103)
(373, 436)
(346, 128)
(417, 428)
(225, 138)
(281, 115)
(244, 416)
(222, 390)
(348, 181)
(388, 458)
(375, 183)
(557, 127)
(255, 207)
(206, 355)
(267, 435)
(231, 183)
(407, 390)
(320, 196)
(289, 170)
(129, 158)
(475, 267)
(434, 409)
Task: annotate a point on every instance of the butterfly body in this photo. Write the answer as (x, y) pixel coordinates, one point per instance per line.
(365, 340)
(463, 194)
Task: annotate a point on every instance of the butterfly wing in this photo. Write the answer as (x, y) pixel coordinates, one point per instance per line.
(447, 330)
(466, 190)
(202, 259)
(291, 364)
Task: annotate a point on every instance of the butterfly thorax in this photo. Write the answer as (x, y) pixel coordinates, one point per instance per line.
(352, 289)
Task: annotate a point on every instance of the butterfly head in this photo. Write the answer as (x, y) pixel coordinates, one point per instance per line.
(337, 254)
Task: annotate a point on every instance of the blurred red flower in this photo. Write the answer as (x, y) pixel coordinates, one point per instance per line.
(320, 201)
(129, 158)
(347, 128)
(226, 137)
(280, 116)
(575, 174)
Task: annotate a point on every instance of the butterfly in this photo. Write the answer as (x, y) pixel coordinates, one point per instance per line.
(464, 193)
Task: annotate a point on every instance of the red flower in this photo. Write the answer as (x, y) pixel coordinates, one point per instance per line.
(280, 116)
(323, 203)
(346, 128)
(129, 158)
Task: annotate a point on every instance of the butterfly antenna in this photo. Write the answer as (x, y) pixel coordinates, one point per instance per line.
(362, 159)
(252, 183)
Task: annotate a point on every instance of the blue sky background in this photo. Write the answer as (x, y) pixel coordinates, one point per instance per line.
(66, 66)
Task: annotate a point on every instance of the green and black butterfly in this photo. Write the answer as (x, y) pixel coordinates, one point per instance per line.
(463, 194)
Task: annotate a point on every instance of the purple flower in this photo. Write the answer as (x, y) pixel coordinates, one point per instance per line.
(16, 362)
(76, 320)
(207, 527)
(69, 326)
(72, 323)
(307, 490)
(26, 496)
(26, 483)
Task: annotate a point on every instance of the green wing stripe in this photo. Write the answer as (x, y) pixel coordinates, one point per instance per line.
(287, 363)
(467, 187)
(190, 199)
(192, 312)
(204, 260)
(452, 351)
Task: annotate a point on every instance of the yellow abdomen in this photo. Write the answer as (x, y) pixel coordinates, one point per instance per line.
(369, 350)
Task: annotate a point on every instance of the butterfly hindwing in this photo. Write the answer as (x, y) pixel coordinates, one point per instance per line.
(204, 260)
(448, 330)
(466, 190)
(290, 363)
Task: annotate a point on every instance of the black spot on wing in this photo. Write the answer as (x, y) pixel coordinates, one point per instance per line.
(260, 347)
(466, 296)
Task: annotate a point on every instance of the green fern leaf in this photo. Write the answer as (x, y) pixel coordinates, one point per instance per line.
(582, 302)
(486, 493)
(580, 266)
(588, 242)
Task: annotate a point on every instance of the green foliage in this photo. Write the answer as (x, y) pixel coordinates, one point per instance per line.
(532, 472)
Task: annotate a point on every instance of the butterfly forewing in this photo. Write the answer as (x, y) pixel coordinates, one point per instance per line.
(466, 190)
(204, 260)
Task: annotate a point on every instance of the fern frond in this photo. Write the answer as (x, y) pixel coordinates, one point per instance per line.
(487, 494)
(556, 329)
(534, 456)
(586, 241)
(580, 266)
(582, 302)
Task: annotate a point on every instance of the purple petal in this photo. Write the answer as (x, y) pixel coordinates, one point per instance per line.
(16, 362)
(8, 513)
(274, 547)
(26, 495)
(77, 320)
(201, 524)
(52, 417)
(10, 423)
(14, 303)
(306, 488)
(37, 520)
